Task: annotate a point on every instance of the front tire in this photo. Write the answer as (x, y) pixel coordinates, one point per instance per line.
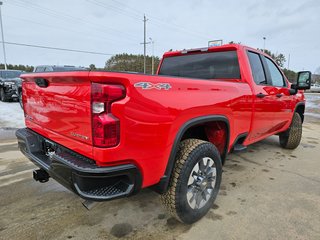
(291, 138)
(195, 181)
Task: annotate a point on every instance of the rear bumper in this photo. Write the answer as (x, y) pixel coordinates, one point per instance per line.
(77, 172)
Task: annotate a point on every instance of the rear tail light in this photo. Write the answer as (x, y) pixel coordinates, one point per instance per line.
(105, 126)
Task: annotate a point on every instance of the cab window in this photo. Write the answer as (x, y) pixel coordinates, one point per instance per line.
(257, 70)
(209, 65)
(275, 74)
(40, 69)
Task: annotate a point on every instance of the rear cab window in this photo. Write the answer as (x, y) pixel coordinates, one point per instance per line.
(209, 65)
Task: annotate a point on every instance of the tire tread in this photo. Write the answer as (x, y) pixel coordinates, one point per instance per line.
(170, 198)
(292, 137)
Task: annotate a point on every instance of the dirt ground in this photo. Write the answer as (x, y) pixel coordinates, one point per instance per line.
(266, 193)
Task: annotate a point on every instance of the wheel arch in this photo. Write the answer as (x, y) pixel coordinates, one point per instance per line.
(162, 186)
(300, 108)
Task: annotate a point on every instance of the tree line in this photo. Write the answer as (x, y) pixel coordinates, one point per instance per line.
(131, 63)
(134, 63)
(21, 67)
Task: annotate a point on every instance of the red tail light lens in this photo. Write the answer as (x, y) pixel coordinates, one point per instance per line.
(105, 126)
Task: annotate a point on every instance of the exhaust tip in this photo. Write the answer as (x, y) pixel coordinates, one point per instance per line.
(89, 204)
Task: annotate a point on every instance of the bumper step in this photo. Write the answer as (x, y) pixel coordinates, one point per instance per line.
(113, 190)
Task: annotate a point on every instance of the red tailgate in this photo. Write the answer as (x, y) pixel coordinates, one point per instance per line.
(63, 106)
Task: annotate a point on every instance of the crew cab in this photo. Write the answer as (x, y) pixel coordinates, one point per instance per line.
(106, 135)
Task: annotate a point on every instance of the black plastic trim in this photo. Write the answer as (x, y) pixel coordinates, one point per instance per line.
(242, 135)
(77, 172)
(42, 82)
(298, 105)
(162, 186)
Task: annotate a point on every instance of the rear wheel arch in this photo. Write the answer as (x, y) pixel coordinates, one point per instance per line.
(182, 134)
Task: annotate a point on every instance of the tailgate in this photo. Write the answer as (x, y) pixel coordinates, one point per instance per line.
(59, 102)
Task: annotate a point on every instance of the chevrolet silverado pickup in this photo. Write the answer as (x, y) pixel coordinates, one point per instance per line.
(106, 135)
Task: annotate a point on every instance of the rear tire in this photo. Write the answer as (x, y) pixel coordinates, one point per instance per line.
(3, 96)
(20, 100)
(195, 181)
(291, 138)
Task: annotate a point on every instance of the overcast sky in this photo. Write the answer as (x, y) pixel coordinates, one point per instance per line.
(115, 26)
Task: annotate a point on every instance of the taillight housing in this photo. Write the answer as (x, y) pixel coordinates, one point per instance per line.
(105, 126)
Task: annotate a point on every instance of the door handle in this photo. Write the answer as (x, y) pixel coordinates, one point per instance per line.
(279, 95)
(260, 95)
(41, 82)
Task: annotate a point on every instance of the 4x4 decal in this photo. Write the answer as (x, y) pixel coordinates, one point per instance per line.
(149, 85)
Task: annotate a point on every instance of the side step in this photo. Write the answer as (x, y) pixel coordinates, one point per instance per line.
(239, 148)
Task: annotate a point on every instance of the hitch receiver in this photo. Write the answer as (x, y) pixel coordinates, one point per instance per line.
(41, 175)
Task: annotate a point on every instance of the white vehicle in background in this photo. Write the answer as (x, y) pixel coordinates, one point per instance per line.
(315, 87)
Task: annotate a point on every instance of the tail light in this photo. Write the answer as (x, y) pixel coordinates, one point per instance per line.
(105, 126)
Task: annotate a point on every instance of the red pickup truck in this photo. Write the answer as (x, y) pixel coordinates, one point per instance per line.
(106, 135)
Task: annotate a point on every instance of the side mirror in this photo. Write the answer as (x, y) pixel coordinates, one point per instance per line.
(303, 80)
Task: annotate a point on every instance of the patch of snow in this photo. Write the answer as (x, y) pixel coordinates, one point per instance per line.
(316, 115)
(312, 105)
(11, 115)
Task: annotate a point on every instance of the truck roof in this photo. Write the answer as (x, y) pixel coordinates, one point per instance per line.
(225, 47)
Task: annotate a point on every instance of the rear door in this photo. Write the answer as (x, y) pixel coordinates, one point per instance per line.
(282, 98)
(266, 105)
(59, 102)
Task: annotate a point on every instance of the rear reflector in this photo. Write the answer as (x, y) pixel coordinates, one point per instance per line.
(105, 126)
(106, 130)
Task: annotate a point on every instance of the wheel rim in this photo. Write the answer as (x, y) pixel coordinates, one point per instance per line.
(201, 183)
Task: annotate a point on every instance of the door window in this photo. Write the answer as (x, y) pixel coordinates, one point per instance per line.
(256, 68)
(276, 76)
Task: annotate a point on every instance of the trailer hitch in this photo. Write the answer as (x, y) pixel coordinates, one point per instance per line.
(41, 175)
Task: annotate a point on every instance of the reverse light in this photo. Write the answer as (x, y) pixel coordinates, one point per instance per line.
(98, 107)
(105, 126)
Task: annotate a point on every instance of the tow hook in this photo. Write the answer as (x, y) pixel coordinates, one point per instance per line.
(41, 175)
